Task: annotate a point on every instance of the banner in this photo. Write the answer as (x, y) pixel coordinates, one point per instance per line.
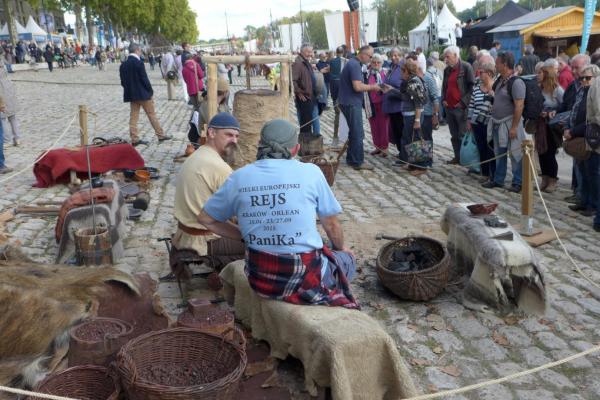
(588, 19)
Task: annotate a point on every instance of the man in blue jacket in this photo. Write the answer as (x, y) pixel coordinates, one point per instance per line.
(137, 91)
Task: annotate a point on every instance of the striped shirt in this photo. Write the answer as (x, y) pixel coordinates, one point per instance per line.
(480, 103)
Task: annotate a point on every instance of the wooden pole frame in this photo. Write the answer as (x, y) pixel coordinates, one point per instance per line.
(284, 87)
(83, 125)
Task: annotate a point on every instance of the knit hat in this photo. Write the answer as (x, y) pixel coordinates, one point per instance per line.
(277, 137)
(224, 120)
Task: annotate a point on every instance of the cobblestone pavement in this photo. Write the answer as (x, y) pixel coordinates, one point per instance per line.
(446, 345)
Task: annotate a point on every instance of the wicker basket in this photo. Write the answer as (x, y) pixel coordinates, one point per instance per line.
(101, 351)
(419, 285)
(86, 382)
(180, 347)
(207, 317)
(328, 167)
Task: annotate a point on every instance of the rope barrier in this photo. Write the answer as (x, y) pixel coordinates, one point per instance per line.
(506, 378)
(43, 155)
(34, 394)
(462, 166)
(564, 248)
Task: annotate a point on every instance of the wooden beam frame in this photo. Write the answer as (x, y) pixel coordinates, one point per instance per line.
(284, 87)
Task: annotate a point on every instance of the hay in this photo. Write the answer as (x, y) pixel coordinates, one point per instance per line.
(252, 108)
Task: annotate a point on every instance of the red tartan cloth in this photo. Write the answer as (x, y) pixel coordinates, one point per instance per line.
(54, 167)
(296, 278)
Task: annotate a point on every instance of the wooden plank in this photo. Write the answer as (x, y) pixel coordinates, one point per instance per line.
(83, 125)
(268, 59)
(284, 88)
(545, 236)
(212, 91)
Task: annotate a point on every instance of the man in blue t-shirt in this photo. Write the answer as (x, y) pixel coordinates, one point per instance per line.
(351, 96)
(276, 201)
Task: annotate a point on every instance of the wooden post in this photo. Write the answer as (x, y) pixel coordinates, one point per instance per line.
(527, 190)
(212, 90)
(284, 89)
(83, 125)
(248, 73)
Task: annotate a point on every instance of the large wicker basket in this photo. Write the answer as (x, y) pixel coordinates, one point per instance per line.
(86, 382)
(328, 167)
(182, 347)
(419, 285)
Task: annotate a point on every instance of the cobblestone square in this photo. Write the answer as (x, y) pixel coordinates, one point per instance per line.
(432, 336)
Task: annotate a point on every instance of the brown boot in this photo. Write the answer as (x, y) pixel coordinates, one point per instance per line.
(544, 183)
(551, 186)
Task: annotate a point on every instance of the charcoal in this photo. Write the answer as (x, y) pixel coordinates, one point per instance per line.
(400, 266)
(411, 258)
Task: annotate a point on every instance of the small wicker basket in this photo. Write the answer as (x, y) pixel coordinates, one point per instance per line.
(420, 285)
(98, 351)
(328, 167)
(85, 382)
(185, 348)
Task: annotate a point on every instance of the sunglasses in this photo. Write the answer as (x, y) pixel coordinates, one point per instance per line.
(585, 78)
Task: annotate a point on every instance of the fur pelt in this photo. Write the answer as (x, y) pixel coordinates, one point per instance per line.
(38, 304)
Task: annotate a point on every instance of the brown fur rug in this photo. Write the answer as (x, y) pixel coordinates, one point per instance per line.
(38, 304)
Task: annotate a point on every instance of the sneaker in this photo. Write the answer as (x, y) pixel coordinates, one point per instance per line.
(164, 137)
(577, 207)
(515, 189)
(139, 142)
(364, 167)
(5, 170)
(490, 185)
(597, 227)
(454, 161)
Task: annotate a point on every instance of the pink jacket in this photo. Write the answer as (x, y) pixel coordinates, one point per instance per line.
(193, 75)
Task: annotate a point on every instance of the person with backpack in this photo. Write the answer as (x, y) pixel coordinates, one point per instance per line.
(506, 122)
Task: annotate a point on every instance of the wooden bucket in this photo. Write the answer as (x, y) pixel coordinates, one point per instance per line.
(253, 108)
(93, 249)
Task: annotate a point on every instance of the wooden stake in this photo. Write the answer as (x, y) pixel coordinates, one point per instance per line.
(284, 89)
(212, 90)
(83, 125)
(527, 184)
(248, 86)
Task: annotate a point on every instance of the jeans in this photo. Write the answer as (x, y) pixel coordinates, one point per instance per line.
(457, 122)
(578, 172)
(485, 151)
(334, 88)
(502, 163)
(353, 114)
(590, 182)
(316, 124)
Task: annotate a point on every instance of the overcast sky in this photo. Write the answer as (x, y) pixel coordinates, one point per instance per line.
(211, 13)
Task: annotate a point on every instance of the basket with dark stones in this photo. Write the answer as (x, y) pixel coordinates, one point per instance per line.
(414, 268)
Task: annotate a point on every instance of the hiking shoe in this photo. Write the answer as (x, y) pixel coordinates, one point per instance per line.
(5, 170)
(144, 142)
(572, 199)
(577, 207)
(515, 189)
(364, 167)
(490, 185)
(588, 212)
(165, 137)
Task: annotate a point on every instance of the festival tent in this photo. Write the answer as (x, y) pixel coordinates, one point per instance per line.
(477, 36)
(34, 32)
(419, 36)
(4, 35)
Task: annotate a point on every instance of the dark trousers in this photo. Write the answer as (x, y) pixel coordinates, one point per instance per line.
(239, 68)
(50, 66)
(486, 152)
(397, 126)
(356, 154)
(305, 111)
(229, 72)
(334, 89)
(548, 163)
(590, 181)
(457, 122)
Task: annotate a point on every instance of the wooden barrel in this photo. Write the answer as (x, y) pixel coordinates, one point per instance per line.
(93, 249)
(252, 108)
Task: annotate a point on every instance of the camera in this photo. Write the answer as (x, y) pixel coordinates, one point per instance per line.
(482, 119)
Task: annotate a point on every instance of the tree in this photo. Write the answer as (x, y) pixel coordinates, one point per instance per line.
(250, 32)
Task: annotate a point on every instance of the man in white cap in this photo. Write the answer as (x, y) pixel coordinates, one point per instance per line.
(276, 201)
(201, 175)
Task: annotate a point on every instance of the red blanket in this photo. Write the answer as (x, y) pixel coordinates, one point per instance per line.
(54, 167)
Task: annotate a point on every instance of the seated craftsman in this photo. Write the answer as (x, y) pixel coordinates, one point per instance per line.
(276, 200)
(201, 175)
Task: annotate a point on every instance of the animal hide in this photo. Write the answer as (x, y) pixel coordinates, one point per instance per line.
(38, 304)
(503, 273)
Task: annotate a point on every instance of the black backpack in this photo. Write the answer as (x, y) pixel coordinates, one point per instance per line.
(534, 99)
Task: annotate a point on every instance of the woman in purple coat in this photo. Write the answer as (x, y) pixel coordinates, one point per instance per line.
(378, 120)
(392, 102)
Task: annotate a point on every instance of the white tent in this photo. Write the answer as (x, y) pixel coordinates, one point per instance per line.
(33, 28)
(419, 36)
(4, 30)
(20, 28)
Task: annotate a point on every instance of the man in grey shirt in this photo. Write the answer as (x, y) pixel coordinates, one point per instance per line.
(506, 125)
(528, 62)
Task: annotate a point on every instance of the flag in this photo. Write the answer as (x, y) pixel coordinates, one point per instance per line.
(588, 18)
